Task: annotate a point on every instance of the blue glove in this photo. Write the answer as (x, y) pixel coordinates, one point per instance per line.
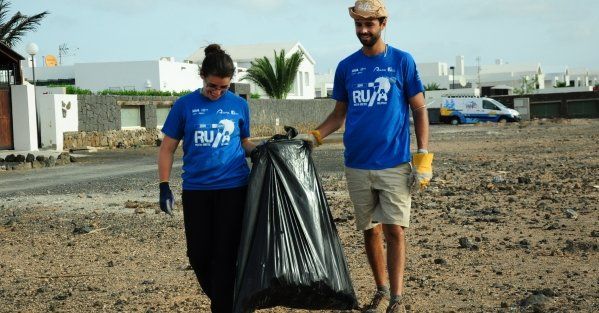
(166, 198)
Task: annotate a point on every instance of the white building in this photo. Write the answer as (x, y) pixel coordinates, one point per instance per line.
(243, 55)
(165, 75)
(504, 76)
(324, 84)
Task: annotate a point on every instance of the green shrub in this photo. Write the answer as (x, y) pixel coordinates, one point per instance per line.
(181, 93)
(142, 93)
(74, 90)
(254, 95)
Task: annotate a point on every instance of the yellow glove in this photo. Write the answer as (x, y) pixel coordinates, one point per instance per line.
(423, 170)
(313, 137)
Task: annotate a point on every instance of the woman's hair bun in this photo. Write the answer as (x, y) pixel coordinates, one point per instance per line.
(213, 48)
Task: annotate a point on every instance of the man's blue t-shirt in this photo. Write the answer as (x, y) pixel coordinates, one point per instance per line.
(212, 132)
(376, 90)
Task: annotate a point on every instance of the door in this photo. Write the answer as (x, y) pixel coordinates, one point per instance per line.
(490, 111)
(6, 138)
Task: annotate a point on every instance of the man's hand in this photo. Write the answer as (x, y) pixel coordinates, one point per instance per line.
(313, 138)
(167, 202)
(423, 170)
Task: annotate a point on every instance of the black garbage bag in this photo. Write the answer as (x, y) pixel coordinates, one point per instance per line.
(290, 254)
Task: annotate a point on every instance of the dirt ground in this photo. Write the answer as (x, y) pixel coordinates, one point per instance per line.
(510, 223)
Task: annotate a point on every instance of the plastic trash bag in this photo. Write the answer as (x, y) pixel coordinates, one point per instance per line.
(290, 254)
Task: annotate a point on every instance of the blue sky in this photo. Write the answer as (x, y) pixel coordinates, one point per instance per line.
(555, 33)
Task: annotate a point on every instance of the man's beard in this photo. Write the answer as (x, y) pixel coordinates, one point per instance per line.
(370, 41)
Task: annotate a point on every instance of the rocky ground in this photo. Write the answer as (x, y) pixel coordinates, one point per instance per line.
(510, 223)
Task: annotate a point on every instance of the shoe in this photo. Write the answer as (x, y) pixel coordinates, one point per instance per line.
(378, 303)
(396, 307)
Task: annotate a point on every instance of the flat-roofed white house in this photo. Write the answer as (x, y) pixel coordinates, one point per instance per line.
(243, 55)
(508, 74)
(164, 74)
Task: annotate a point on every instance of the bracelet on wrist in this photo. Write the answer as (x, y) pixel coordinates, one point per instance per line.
(317, 136)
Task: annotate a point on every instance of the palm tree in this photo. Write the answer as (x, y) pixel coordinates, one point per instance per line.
(12, 29)
(432, 86)
(278, 81)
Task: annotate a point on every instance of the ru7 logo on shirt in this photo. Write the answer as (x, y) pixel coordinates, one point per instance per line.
(367, 94)
(214, 135)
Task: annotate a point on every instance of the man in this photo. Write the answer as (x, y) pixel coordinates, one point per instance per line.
(374, 88)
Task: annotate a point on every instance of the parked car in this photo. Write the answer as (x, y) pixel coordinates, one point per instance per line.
(463, 110)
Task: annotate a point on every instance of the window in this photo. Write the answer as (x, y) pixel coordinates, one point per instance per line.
(488, 105)
(130, 116)
(161, 114)
(307, 78)
(301, 83)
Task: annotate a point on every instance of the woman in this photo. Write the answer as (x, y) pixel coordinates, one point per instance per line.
(214, 125)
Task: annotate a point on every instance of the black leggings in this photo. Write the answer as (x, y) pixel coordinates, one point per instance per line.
(213, 230)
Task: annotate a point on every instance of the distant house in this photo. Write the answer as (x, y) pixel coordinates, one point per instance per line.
(324, 84)
(243, 55)
(164, 74)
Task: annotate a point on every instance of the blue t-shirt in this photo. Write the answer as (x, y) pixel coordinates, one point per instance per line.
(376, 90)
(212, 132)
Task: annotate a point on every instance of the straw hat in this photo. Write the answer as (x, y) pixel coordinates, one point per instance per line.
(367, 9)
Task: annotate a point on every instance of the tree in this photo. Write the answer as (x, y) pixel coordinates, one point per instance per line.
(276, 81)
(561, 85)
(527, 86)
(12, 29)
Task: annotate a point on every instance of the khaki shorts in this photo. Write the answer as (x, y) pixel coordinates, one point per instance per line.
(380, 196)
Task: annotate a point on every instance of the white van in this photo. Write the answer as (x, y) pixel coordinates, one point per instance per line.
(462, 110)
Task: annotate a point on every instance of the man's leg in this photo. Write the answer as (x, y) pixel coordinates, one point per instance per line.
(373, 242)
(365, 201)
(396, 256)
(395, 201)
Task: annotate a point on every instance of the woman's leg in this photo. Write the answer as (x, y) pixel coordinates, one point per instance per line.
(228, 215)
(197, 214)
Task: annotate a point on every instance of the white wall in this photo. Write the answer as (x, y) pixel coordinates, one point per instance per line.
(123, 75)
(304, 88)
(58, 114)
(178, 76)
(324, 83)
(433, 96)
(459, 65)
(433, 69)
(442, 81)
(48, 73)
(24, 126)
(564, 89)
(164, 75)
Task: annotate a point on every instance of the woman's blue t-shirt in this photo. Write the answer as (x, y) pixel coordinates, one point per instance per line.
(376, 90)
(212, 132)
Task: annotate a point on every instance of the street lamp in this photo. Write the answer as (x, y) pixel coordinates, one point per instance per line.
(452, 68)
(32, 50)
